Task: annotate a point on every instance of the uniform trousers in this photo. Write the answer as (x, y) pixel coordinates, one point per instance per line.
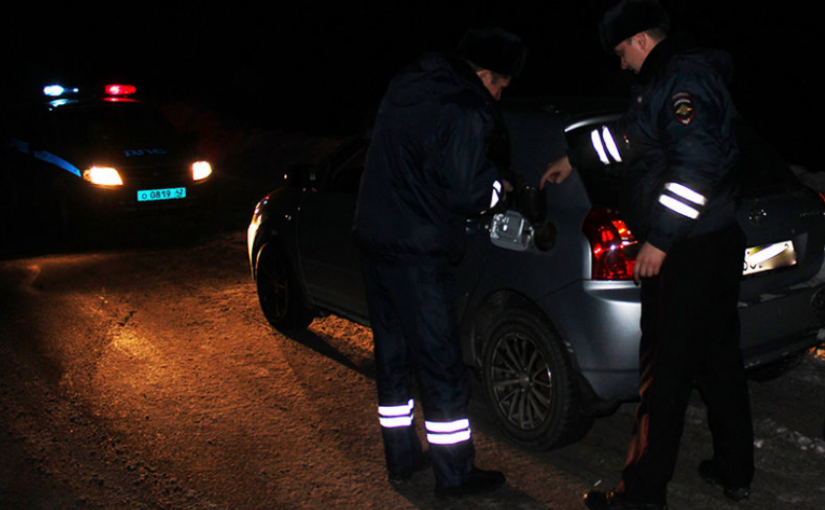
(690, 338)
(412, 307)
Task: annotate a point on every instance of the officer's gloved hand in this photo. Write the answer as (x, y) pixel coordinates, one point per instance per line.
(531, 203)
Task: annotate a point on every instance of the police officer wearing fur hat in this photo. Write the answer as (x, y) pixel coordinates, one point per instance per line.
(436, 155)
(676, 151)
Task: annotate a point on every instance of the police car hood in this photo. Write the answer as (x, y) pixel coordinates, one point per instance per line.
(132, 155)
(137, 154)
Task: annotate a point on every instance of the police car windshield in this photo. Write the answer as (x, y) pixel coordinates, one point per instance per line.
(118, 125)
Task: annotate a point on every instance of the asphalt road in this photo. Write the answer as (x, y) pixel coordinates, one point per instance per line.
(147, 378)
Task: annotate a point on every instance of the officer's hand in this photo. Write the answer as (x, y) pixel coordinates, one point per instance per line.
(556, 172)
(648, 262)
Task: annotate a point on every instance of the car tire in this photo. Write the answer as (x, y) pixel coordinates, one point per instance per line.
(529, 382)
(279, 294)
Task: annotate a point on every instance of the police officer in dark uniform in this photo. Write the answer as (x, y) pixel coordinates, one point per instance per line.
(677, 154)
(429, 166)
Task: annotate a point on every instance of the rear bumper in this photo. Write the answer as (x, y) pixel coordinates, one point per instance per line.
(777, 325)
(599, 322)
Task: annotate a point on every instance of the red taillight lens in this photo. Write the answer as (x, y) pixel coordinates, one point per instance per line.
(613, 247)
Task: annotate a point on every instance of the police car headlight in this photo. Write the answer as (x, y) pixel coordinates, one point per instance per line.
(201, 170)
(103, 176)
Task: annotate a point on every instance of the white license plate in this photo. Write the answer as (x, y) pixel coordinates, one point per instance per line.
(769, 257)
(148, 195)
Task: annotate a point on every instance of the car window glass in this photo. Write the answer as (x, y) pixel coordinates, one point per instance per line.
(760, 165)
(110, 125)
(343, 172)
(604, 187)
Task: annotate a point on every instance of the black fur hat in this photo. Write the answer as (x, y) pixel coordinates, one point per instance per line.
(630, 17)
(494, 49)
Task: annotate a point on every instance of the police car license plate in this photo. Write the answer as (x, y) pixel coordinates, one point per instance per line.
(769, 257)
(148, 195)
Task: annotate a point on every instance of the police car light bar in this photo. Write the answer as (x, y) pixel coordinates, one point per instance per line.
(120, 90)
(58, 90)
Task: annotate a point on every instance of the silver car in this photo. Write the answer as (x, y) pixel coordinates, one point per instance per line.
(549, 312)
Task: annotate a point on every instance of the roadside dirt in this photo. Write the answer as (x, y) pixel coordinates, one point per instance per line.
(149, 379)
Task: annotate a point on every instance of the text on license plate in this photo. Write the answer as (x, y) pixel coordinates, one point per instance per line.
(147, 195)
(768, 257)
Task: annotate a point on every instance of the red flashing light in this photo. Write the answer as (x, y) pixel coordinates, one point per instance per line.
(612, 245)
(120, 90)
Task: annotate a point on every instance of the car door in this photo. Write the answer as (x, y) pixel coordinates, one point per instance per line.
(330, 262)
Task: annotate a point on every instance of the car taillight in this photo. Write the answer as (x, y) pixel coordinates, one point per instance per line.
(612, 246)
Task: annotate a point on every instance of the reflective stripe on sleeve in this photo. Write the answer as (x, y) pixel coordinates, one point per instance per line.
(496, 194)
(678, 207)
(612, 147)
(605, 146)
(686, 193)
(682, 200)
(449, 432)
(598, 146)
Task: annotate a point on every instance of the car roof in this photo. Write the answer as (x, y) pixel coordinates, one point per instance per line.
(565, 108)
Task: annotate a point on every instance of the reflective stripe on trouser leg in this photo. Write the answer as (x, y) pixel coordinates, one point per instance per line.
(396, 416)
(452, 449)
(447, 433)
(402, 449)
(414, 322)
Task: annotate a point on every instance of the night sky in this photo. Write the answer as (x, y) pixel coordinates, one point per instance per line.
(321, 69)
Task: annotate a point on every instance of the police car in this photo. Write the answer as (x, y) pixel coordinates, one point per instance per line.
(81, 154)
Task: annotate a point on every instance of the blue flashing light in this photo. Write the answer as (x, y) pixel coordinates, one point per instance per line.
(54, 90)
(58, 91)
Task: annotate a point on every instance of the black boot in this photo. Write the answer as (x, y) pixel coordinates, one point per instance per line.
(708, 472)
(479, 482)
(612, 500)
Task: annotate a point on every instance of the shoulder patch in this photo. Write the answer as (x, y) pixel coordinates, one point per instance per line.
(683, 108)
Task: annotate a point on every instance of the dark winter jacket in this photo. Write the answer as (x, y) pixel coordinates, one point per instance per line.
(677, 146)
(427, 168)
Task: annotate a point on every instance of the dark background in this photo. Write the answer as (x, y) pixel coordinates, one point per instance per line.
(321, 69)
